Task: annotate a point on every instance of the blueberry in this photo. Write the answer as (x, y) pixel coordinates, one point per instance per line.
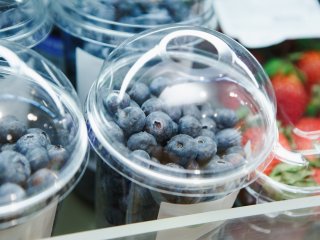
(235, 159)
(225, 118)
(191, 110)
(115, 132)
(42, 132)
(143, 141)
(208, 123)
(134, 104)
(31, 140)
(38, 158)
(58, 156)
(152, 105)
(189, 125)
(139, 92)
(112, 102)
(8, 146)
(140, 155)
(206, 149)
(236, 149)
(208, 133)
(158, 85)
(175, 112)
(131, 120)
(160, 125)
(11, 192)
(14, 167)
(174, 166)
(227, 138)
(218, 165)
(11, 129)
(41, 180)
(181, 150)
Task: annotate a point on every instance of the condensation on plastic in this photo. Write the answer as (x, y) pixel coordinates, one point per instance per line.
(230, 59)
(28, 78)
(25, 22)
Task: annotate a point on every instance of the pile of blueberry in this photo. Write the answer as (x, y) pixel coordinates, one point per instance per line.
(194, 137)
(29, 162)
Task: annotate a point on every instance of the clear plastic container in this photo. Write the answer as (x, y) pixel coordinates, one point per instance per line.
(44, 136)
(91, 29)
(195, 90)
(25, 22)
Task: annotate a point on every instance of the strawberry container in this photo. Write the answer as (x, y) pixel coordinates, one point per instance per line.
(24, 22)
(150, 119)
(92, 29)
(44, 147)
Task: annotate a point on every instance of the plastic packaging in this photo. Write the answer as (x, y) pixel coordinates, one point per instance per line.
(43, 133)
(24, 22)
(191, 87)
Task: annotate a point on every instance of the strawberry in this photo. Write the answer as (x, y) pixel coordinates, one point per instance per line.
(306, 124)
(285, 143)
(309, 64)
(253, 135)
(291, 97)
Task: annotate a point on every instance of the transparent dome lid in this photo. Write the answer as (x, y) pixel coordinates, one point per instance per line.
(109, 22)
(43, 137)
(172, 108)
(25, 22)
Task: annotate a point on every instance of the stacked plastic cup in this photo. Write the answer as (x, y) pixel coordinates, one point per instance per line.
(168, 122)
(24, 22)
(92, 29)
(43, 138)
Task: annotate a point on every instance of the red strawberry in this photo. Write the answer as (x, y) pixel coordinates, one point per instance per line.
(291, 97)
(306, 124)
(316, 175)
(285, 143)
(254, 136)
(309, 64)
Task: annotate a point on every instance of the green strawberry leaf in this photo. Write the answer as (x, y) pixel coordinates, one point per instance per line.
(277, 65)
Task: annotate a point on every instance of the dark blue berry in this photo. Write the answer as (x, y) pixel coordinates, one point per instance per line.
(14, 167)
(225, 118)
(152, 105)
(175, 112)
(191, 110)
(58, 156)
(159, 84)
(115, 133)
(8, 146)
(139, 92)
(140, 156)
(208, 133)
(206, 149)
(38, 158)
(41, 180)
(236, 149)
(181, 150)
(235, 159)
(160, 125)
(42, 132)
(31, 140)
(189, 125)
(227, 138)
(131, 120)
(218, 165)
(11, 192)
(11, 129)
(143, 141)
(208, 123)
(113, 102)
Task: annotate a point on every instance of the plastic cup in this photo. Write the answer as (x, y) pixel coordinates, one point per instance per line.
(24, 22)
(43, 130)
(92, 29)
(193, 73)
